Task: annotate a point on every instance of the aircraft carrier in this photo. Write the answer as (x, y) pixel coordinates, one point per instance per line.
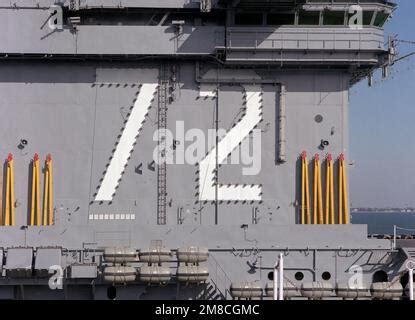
(187, 149)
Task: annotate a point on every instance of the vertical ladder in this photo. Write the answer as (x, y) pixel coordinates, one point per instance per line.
(162, 126)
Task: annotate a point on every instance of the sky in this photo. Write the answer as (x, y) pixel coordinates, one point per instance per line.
(382, 127)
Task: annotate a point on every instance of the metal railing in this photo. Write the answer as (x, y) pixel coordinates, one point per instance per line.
(395, 234)
(301, 39)
(219, 278)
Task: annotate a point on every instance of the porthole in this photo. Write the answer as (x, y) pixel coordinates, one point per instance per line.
(326, 275)
(318, 118)
(271, 275)
(299, 276)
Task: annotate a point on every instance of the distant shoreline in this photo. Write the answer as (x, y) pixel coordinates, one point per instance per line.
(371, 210)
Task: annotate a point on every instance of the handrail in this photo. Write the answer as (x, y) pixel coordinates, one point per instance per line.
(221, 281)
(303, 38)
(395, 234)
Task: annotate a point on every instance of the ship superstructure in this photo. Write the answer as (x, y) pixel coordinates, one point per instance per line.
(174, 149)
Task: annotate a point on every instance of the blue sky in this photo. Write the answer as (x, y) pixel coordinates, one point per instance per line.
(382, 127)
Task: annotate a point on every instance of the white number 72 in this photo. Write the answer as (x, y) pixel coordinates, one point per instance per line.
(207, 189)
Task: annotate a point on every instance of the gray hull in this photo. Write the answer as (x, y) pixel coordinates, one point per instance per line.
(94, 97)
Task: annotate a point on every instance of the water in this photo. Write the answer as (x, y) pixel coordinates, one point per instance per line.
(383, 222)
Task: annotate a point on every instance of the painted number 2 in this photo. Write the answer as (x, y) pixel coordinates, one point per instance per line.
(207, 167)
